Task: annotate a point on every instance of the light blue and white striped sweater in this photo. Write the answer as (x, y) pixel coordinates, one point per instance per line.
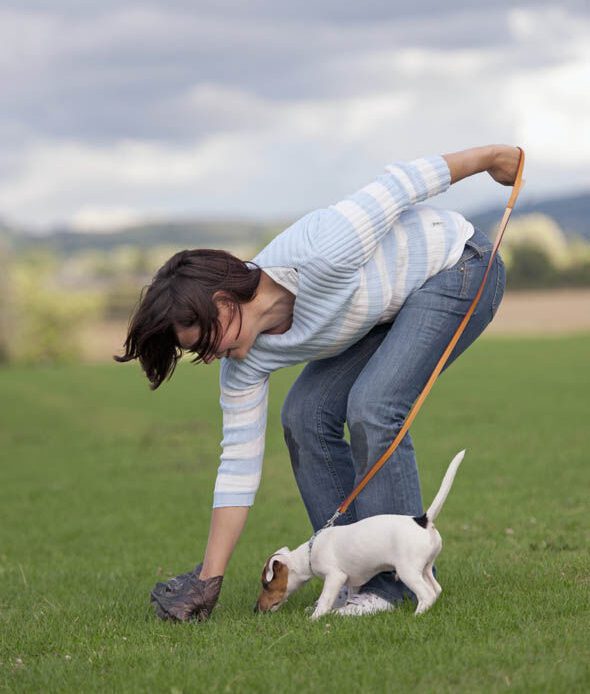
(355, 262)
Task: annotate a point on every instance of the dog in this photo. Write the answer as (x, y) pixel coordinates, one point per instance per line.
(352, 554)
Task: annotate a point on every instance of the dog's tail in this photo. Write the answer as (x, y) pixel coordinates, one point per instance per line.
(445, 487)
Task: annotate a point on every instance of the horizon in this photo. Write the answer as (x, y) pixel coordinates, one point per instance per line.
(261, 221)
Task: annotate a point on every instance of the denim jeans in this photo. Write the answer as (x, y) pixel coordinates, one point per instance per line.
(371, 386)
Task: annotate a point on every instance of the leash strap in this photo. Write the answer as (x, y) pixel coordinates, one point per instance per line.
(445, 355)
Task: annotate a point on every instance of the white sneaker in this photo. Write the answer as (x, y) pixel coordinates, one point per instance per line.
(364, 603)
(340, 601)
(342, 598)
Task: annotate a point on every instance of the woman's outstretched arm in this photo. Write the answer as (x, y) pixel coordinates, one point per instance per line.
(500, 161)
(347, 233)
(227, 524)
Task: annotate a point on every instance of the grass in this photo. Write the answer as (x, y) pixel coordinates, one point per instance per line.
(106, 487)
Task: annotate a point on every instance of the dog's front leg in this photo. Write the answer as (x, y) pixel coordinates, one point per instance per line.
(332, 585)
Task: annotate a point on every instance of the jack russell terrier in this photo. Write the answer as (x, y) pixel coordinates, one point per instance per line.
(352, 554)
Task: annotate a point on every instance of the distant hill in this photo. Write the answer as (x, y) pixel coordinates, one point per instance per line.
(191, 234)
(571, 213)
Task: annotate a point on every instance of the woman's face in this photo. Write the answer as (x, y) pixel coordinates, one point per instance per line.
(235, 342)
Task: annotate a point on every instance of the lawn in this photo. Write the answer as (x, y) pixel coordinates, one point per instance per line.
(105, 487)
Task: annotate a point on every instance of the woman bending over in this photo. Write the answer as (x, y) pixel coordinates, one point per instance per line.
(369, 292)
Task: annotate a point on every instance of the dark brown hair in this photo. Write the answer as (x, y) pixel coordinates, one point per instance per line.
(182, 293)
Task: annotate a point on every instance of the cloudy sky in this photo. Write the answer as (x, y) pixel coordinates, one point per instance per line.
(112, 112)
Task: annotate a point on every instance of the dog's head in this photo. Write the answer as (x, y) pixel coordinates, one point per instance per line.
(277, 581)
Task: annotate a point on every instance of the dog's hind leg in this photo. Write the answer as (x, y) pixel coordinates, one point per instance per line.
(332, 585)
(421, 588)
(429, 578)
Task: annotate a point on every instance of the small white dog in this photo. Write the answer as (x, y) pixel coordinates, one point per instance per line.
(352, 554)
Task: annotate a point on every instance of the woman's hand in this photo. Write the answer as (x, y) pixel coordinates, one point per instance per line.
(500, 161)
(504, 164)
(193, 595)
(186, 597)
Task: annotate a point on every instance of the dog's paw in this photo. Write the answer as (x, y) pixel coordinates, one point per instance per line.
(422, 608)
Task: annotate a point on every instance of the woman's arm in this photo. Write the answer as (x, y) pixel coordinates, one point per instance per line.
(500, 161)
(346, 234)
(194, 595)
(226, 527)
(238, 477)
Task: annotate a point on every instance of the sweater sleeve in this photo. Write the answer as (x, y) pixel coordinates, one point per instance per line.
(244, 427)
(348, 232)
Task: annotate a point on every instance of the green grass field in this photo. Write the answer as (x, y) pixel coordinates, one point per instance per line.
(105, 487)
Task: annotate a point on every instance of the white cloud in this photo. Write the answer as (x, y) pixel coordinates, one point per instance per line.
(552, 111)
(58, 179)
(104, 219)
(249, 148)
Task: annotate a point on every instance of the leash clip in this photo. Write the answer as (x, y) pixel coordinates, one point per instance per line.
(330, 522)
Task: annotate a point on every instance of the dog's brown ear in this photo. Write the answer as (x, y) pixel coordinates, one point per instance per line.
(273, 566)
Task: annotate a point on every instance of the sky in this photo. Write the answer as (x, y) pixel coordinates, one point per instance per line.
(116, 112)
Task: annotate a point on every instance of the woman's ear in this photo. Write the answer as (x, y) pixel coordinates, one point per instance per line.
(219, 295)
(226, 306)
(220, 300)
(222, 297)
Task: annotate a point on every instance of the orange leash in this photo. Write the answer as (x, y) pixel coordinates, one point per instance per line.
(443, 360)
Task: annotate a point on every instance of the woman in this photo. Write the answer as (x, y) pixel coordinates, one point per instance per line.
(369, 292)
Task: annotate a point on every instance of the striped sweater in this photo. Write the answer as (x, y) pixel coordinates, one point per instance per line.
(351, 266)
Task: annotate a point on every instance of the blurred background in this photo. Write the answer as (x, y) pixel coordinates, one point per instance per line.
(132, 130)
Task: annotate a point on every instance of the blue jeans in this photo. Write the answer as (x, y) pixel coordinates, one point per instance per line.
(372, 386)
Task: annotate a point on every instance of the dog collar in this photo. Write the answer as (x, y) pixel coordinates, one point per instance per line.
(310, 547)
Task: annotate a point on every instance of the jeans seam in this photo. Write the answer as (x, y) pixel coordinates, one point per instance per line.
(480, 248)
(495, 300)
(465, 270)
(468, 274)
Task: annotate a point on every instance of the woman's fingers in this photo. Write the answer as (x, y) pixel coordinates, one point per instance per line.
(505, 164)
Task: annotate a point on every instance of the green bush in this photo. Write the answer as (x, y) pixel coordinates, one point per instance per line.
(120, 299)
(531, 268)
(577, 275)
(42, 320)
(539, 256)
